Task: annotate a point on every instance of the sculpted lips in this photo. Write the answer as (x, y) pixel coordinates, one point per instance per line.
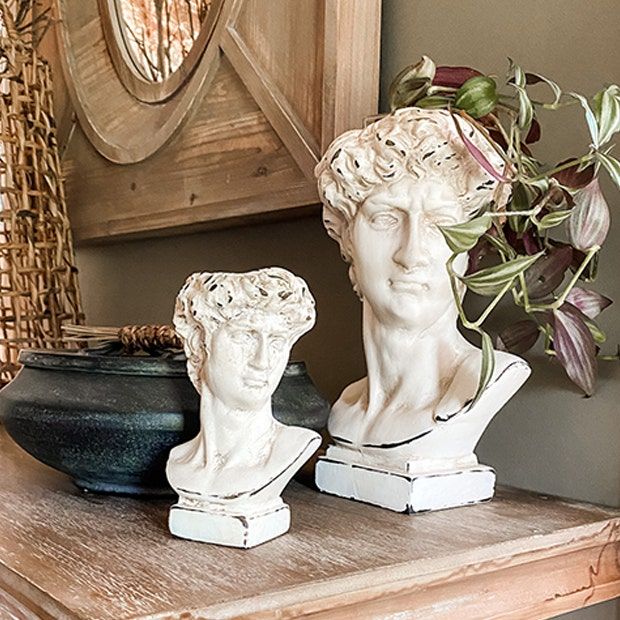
(408, 285)
(255, 381)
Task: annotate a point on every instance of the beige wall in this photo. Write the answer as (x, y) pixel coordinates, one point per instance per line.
(548, 438)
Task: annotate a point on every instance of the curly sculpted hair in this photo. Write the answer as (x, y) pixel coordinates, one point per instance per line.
(409, 142)
(208, 300)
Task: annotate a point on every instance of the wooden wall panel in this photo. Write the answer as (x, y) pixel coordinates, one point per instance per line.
(221, 163)
(292, 57)
(237, 142)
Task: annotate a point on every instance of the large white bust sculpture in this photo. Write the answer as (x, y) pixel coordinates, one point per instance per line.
(238, 329)
(404, 435)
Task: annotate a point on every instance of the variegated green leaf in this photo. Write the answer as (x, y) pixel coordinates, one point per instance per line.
(607, 113)
(487, 367)
(612, 165)
(518, 75)
(463, 237)
(491, 280)
(526, 110)
(411, 83)
(551, 220)
(533, 78)
(478, 96)
(590, 118)
(433, 102)
(597, 333)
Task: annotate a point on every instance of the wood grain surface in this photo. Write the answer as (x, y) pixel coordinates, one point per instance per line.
(65, 554)
(227, 163)
(239, 137)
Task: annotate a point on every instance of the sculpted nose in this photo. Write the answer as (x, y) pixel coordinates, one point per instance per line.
(260, 359)
(411, 252)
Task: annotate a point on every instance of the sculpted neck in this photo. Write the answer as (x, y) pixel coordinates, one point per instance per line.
(229, 432)
(410, 366)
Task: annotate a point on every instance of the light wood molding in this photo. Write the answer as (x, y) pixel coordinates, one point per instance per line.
(122, 128)
(349, 75)
(226, 166)
(289, 128)
(153, 166)
(66, 554)
(136, 84)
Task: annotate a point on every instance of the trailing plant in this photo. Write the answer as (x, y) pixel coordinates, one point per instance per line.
(544, 244)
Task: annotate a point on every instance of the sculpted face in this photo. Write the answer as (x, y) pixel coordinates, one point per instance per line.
(399, 254)
(246, 359)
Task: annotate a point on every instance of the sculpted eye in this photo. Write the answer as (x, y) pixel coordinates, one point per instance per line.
(242, 337)
(278, 343)
(384, 221)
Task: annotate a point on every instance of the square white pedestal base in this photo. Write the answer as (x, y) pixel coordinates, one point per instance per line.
(405, 492)
(229, 530)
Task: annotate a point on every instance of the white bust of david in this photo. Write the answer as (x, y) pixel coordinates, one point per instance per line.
(238, 330)
(386, 190)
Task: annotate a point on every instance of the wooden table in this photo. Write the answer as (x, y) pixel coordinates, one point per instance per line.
(65, 554)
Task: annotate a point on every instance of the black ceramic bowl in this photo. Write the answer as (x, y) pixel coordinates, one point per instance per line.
(110, 422)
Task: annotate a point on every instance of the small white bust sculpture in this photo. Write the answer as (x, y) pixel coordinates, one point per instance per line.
(238, 329)
(404, 435)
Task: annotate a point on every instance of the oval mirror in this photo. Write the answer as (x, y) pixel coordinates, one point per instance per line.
(154, 44)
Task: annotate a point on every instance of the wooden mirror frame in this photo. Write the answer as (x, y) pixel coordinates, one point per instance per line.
(133, 80)
(108, 112)
(240, 137)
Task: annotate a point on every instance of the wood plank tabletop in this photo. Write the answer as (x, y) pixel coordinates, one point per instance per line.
(67, 554)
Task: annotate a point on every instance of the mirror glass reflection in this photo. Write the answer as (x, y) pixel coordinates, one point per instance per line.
(159, 34)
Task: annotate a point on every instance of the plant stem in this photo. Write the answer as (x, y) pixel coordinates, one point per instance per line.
(483, 317)
(457, 298)
(524, 292)
(562, 298)
(564, 166)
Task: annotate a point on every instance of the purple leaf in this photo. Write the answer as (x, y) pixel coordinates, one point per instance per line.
(590, 303)
(533, 135)
(519, 337)
(532, 78)
(496, 136)
(476, 254)
(573, 177)
(559, 197)
(547, 273)
(478, 155)
(531, 242)
(453, 77)
(589, 223)
(575, 347)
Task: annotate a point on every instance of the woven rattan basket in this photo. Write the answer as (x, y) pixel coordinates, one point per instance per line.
(38, 279)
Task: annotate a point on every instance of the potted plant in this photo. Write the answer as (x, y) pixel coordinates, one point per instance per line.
(542, 247)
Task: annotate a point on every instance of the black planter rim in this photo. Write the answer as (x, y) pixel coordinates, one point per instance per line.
(117, 365)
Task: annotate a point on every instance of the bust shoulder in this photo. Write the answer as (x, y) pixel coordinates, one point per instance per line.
(189, 471)
(509, 373)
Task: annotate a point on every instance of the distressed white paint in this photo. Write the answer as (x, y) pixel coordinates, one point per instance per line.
(404, 492)
(242, 531)
(238, 330)
(386, 190)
